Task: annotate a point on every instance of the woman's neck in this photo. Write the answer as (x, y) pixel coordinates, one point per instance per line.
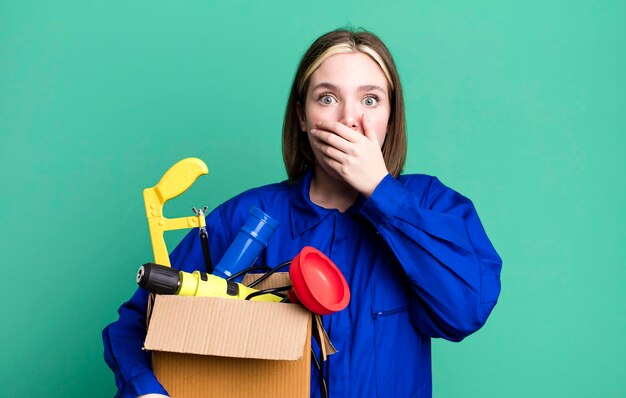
(330, 192)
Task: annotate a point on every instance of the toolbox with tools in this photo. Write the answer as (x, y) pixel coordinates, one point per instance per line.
(210, 336)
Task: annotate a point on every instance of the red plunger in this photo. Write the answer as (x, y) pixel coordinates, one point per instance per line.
(317, 282)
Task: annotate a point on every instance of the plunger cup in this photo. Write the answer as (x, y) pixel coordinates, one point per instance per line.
(317, 282)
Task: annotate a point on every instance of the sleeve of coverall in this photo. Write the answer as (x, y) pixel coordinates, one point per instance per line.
(123, 342)
(123, 339)
(440, 243)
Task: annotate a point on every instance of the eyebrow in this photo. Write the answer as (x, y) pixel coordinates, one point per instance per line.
(332, 87)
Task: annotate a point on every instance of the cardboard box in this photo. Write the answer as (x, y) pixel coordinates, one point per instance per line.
(216, 347)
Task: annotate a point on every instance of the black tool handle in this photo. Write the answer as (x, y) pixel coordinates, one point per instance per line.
(204, 240)
(158, 279)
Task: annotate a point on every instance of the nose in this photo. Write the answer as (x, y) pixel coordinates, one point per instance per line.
(349, 116)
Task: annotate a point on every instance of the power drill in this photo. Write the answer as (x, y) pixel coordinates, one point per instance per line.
(160, 279)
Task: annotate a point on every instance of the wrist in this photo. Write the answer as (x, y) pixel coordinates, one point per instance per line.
(376, 179)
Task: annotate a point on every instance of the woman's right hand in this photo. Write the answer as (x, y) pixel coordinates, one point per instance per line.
(355, 155)
(153, 396)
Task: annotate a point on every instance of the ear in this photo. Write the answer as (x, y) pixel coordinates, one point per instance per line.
(301, 116)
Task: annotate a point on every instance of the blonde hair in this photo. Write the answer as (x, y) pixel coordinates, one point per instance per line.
(344, 48)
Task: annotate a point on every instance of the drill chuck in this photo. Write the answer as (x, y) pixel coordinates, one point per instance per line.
(158, 279)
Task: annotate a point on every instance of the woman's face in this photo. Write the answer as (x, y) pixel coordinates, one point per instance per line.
(343, 89)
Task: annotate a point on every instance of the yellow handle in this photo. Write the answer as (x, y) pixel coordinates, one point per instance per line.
(174, 182)
(197, 284)
(179, 178)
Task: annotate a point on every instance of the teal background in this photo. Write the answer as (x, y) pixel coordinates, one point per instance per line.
(518, 105)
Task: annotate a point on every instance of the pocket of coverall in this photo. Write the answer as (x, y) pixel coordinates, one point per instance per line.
(398, 347)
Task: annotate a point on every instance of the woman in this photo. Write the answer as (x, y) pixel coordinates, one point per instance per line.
(414, 253)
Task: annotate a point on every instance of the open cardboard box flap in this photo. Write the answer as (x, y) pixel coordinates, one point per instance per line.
(228, 328)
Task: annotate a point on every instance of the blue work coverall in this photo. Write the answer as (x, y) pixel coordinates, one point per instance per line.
(415, 256)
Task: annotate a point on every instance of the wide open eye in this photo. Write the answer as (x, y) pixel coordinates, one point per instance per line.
(371, 100)
(327, 99)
